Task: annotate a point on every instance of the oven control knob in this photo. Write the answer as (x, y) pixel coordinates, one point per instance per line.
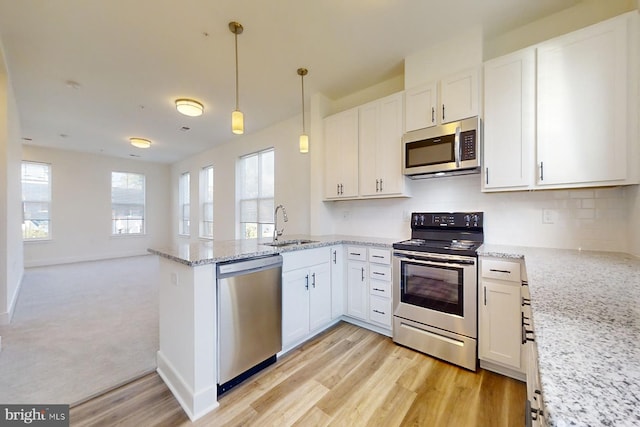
(421, 219)
(476, 218)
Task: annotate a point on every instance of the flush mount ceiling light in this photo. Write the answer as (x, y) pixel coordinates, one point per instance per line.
(140, 142)
(237, 118)
(304, 138)
(189, 107)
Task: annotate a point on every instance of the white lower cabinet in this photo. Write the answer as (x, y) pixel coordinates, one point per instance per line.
(369, 285)
(338, 291)
(357, 289)
(306, 295)
(500, 318)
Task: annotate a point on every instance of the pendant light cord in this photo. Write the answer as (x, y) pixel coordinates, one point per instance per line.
(237, 92)
(302, 80)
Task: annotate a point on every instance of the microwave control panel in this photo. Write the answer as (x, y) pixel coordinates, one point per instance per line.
(468, 145)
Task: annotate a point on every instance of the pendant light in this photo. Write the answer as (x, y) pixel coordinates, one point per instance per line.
(304, 138)
(237, 118)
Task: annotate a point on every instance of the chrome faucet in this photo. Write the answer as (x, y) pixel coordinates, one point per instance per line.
(276, 232)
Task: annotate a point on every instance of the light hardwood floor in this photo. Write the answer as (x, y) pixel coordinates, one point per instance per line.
(348, 376)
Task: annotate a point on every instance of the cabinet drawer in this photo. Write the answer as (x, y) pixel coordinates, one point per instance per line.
(379, 288)
(501, 270)
(357, 253)
(380, 256)
(380, 310)
(380, 272)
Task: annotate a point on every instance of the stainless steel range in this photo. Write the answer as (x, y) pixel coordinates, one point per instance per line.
(435, 286)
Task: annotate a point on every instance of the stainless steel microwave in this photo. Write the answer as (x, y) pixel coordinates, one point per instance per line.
(449, 149)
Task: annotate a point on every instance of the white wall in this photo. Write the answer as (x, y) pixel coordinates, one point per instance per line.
(81, 208)
(590, 219)
(11, 254)
(291, 179)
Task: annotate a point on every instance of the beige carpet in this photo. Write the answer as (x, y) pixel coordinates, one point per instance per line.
(80, 329)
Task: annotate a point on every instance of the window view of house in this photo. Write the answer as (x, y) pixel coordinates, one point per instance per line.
(36, 201)
(184, 200)
(206, 202)
(256, 181)
(127, 203)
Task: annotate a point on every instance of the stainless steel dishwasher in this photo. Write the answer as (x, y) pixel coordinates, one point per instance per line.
(249, 317)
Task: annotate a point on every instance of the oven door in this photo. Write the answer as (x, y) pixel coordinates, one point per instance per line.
(436, 290)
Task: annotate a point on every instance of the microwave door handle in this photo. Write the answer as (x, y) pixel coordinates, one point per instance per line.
(457, 146)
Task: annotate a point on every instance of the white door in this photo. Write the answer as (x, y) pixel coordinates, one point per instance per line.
(509, 120)
(295, 305)
(420, 107)
(458, 96)
(581, 108)
(500, 323)
(357, 290)
(320, 302)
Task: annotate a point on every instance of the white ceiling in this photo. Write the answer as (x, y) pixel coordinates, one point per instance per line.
(133, 58)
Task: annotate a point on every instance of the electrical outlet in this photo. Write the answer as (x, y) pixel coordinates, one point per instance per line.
(549, 216)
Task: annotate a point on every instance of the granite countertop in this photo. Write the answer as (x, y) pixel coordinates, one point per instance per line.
(586, 314)
(209, 252)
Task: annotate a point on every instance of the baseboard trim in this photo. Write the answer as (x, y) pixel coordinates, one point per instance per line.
(369, 326)
(5, 317)
(503, 370)
(76, 259)
(195, 405)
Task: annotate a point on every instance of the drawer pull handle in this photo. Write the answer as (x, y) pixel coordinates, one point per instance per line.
(377, 273)
(500, 271)
(354, 253)
(379, 312)
(526, 301)
(377, 256)
(379, 290)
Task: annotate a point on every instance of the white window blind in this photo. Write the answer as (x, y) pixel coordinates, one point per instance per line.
(127, 203)
(184, 200)
(36, 201)
(206, 202)
(256, 192)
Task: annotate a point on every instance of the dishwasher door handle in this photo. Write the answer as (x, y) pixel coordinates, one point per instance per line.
(234, 268)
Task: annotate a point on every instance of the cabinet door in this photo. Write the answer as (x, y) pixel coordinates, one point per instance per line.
(581, 107)
(369, 137)
(337, 282)
(420, 107)
(357, 290)
(389, 147)
(500, 323)
(341, 155)
(320, 299)
(295, 305)
(509, 121)
(380, 147)
(458, 96)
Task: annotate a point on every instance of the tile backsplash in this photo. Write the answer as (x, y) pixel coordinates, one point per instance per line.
(588, 219)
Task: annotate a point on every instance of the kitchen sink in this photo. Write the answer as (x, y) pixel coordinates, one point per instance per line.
(291, 242)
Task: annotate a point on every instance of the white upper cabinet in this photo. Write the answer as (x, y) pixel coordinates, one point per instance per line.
(564, 113)
(509, 121)
(456, 99)
(341, 155)
(380, 147)
(459, 96)
(582, 106)
(420, 107)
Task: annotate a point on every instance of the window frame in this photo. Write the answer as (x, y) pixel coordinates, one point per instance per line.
(142, 220)
(48, 202)
(206, 201)
(263, 229)
(184, 204)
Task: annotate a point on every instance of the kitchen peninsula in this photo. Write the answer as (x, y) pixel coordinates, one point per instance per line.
(586, 319)
(187, 358)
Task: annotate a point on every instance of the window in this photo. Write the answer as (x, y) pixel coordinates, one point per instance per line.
(206, 202)
(127, 203)
(256, 180)
(36, 201)
(184, 197)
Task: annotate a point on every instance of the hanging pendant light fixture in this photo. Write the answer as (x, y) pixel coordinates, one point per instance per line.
(304, 138)
(237, 118)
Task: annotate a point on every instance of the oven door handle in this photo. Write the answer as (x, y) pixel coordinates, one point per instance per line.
(436, 262)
